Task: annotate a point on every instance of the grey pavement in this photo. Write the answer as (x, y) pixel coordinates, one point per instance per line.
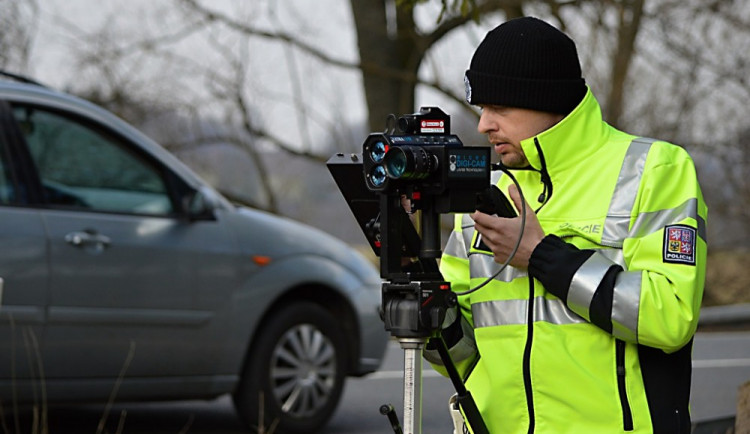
(734, 316)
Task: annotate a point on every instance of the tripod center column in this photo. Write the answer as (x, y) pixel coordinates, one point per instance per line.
(412, 383)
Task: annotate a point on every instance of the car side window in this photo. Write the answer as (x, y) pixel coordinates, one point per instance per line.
(81, 167)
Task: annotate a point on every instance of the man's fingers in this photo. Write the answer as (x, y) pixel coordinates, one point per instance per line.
(482, 220)
(491, 227)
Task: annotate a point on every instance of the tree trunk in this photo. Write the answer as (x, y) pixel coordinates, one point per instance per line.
(630, 13)
(389, 56)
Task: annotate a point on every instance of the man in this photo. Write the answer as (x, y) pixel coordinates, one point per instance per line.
(589, 330)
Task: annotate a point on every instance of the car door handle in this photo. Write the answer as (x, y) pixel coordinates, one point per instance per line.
(87, 238)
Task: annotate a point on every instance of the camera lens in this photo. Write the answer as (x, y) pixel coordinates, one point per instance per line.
(408, 124)
(409, 162)
(378, 176)
(377, 151)
(396, 164)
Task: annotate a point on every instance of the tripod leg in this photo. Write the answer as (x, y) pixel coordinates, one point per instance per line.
(387, 410)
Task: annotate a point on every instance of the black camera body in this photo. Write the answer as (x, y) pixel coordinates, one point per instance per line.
(430, 166)
(423, 157)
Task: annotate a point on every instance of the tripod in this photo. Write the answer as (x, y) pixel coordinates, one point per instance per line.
(414, 305)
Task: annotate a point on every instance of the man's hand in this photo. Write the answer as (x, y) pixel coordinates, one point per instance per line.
(501, 234)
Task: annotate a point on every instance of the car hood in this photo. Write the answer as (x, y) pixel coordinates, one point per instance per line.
(267, 234)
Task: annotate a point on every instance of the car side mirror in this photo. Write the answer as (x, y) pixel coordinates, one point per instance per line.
(200, 204)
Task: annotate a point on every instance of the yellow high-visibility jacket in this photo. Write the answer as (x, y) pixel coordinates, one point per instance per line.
(599, 339)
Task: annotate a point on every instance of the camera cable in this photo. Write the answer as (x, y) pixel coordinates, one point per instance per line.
(518, 241)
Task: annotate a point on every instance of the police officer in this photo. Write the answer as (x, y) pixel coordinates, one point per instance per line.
(590, 328)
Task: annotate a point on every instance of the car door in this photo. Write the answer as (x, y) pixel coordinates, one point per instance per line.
(127, 269)
(23, 266)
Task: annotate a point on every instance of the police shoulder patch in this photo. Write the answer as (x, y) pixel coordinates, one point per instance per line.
(679, 244)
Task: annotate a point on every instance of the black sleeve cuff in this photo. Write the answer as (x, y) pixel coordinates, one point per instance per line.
(554, 263)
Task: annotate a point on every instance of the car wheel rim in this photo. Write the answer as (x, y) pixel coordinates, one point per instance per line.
(303, 370)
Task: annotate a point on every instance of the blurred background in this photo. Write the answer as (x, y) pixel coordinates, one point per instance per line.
(257, 95)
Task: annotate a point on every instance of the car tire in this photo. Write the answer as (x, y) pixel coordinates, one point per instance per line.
(294, 375)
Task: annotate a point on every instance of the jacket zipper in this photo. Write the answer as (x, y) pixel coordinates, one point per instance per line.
(627, 415)
(546, 180)
(543, 198)
(527, 357)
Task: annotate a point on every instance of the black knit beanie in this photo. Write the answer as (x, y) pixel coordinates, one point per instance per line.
(526, 63)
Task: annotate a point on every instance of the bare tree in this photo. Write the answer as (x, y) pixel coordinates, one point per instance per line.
(392, 48)
(18, 22)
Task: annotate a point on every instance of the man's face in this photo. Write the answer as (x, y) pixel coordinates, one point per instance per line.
(507, 126)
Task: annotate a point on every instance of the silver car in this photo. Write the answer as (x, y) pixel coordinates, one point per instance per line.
(125, 273)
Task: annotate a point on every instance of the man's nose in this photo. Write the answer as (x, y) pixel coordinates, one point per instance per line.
(485, 124)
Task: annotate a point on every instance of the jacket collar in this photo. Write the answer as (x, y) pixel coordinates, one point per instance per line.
(574, 139)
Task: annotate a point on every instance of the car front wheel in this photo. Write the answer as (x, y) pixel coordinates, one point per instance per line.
(294, 374)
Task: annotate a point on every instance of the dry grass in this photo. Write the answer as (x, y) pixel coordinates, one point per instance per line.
(727, 277)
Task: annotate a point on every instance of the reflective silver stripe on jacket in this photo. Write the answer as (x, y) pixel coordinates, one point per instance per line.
(650, 222)
(457, 246)
(617, 223)
(614, 255)
(584, 283)
(483, 266)
(514, 312)
(626, 299)
(467, 232)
